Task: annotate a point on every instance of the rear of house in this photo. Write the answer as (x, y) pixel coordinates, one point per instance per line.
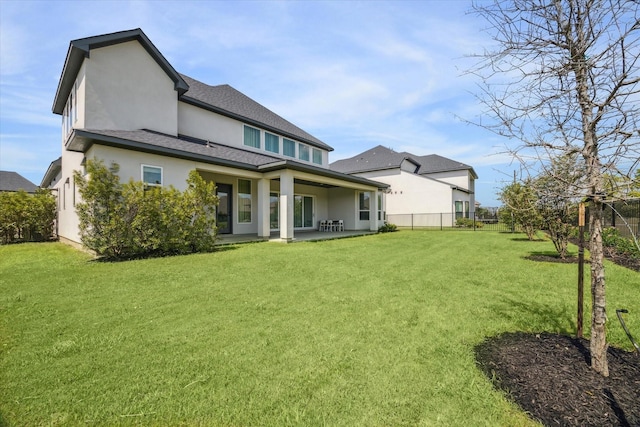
(122, 102)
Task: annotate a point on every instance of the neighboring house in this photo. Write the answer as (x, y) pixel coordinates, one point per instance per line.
(417, 184)
(13, 181)
(121, 101)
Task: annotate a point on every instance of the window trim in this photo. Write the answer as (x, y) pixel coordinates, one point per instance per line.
(360, 209)
(151, 184)
(244, 137)
(304, 148)
(317, 151)
(287, 140)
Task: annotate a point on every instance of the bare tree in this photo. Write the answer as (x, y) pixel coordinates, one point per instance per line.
(563, 77)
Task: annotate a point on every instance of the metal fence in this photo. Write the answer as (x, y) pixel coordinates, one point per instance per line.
(624, 216)
(448, 221)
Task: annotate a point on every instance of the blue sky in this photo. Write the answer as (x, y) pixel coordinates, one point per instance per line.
(353, 74)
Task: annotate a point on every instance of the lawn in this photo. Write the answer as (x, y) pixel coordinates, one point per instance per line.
(373, 330)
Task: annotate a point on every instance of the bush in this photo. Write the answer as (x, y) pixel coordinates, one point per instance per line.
(387, 228)
(25, 217)
(469, 223)
(133, 220)
(611, 238)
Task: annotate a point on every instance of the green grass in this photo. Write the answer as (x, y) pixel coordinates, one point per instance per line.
(375, 330)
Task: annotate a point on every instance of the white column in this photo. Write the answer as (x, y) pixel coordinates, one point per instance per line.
(264, 223)
(286, 205)
(373, 215)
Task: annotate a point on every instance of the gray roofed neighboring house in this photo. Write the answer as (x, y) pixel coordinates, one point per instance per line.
(13, 181)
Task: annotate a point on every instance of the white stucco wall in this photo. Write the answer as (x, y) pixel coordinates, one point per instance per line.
(411, 193)
(209, 126)
(460, 178)
(126, 89)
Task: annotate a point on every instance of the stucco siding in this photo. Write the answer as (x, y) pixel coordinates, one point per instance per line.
(458, 178)
(209, 126)
(126, 89)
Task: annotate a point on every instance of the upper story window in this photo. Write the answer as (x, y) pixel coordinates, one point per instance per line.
(251, 137)
(70, 112)
(288, 147)
(303, 152)
(152, 175)
(317, 156)
(271, 142)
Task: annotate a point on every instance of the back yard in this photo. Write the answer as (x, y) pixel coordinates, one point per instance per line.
(374, 330)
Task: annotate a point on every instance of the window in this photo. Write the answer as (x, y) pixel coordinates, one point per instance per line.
(244, 201)
(271, 142)
(251, 137)
(302, 211)
(380, 211)
(303, 152)
(288, 147)
(317, 156)
(458, 209)
(151, 175)
(364, 206)
(274, 211)
(70, 112)
(466, 209)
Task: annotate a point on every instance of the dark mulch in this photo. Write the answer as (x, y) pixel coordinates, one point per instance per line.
(549, 376)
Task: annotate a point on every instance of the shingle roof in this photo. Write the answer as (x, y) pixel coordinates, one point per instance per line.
(229, 101)
(190, 148)
(13, 181)
(377, 158)
(380, 158)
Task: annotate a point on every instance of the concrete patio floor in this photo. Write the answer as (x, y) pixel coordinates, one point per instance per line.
(299, 236)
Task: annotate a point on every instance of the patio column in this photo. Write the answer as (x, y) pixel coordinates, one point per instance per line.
(264, 223)
(373, 215)
(286, 205)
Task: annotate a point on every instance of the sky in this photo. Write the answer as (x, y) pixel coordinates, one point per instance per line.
(353, 74)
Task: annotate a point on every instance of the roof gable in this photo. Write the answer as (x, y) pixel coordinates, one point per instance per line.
(80, 49)
(13, 181)
(228, 101)
(434, 163)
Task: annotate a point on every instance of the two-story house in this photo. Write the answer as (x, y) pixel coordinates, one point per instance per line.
(417, 184)
(121, 101)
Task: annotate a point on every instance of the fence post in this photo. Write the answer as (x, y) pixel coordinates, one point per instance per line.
(474, 221)
(440, 221)
(411, 222)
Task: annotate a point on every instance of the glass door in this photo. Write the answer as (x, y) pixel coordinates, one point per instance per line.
(274, 211)
(302, 211)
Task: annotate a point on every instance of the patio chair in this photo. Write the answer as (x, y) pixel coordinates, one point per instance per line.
(323, 225)
(339, 226)
(329, 225)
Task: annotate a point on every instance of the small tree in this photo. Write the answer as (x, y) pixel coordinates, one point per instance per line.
(520, 207)
(557, 205)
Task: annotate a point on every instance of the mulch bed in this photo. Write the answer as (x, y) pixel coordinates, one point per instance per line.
(549, 376)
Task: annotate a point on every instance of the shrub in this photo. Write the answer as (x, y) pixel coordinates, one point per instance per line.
(387, 228)
(132, 220)
(25, 217)
(611, 238)
(469, 223)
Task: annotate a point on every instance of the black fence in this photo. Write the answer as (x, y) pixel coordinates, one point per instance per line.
(449, 221)
(624, 216)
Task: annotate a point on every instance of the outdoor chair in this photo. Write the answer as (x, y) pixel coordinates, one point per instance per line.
(339, 225)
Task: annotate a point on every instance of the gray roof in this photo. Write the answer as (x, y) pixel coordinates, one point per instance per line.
(13, 181)
(190, 148)
(228, 101)
(380, 158)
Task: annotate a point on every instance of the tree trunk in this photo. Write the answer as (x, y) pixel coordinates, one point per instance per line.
(598, 342)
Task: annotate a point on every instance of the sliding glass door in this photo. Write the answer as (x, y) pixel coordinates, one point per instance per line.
(302, 211)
